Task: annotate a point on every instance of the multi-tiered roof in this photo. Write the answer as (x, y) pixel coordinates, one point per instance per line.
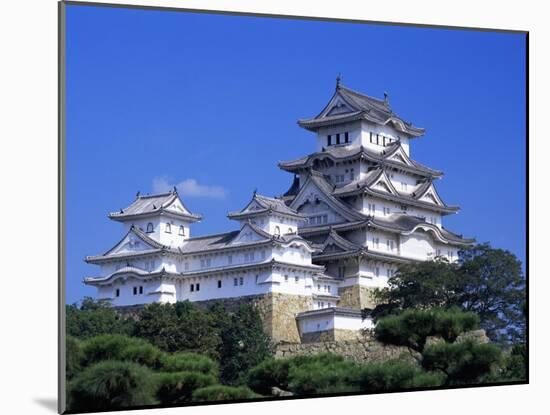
(348, 106)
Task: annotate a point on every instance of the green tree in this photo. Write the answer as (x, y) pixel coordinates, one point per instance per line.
(178, 387)
(74, 357)
(179, 327)
(123, 348)
(93, 318)
(394, 375)
(486, 281)
(243, 342)
(412, 327)
(268, 374)
(110, 385)
(462, 362)
(188, 362)
(223, 393)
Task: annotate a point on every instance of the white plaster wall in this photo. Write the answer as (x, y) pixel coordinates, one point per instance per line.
(159, 234)
(385, 130)
(324, 323)
(352, 323)
(353, 128)
(418, 245)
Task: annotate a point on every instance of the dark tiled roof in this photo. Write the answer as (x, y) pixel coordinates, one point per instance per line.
(363, 107)
(145, 205)
(267, 204)
(342, 153)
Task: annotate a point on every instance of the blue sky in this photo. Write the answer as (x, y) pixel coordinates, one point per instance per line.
(210, 102)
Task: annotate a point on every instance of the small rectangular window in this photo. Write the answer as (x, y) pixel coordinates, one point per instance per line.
(198, 287)
(286, 278)
(296, 279)
(377, 139)
(337, 138)
(135, 290)
(371, 140)
(141, 289)
(329, 140)
(192, 287)
(346, 137)
(219, 283)
(241, 280)
(117, 292)
(235, 282)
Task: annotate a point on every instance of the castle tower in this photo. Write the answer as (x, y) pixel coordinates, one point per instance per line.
(369, 204)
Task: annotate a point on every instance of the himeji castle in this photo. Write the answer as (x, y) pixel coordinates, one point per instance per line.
(358, 207)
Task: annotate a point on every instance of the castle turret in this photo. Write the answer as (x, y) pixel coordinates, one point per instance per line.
(163, 217)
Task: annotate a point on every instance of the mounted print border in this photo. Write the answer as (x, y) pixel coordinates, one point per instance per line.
(278, 212)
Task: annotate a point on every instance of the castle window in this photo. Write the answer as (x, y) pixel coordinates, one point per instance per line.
(371, 139)
(219, 283)
(346, 137)
(150, 228)
(351, 174)
(377, 272)
(341, 272)
(296, 279)
(329, 140)
(337, 138)
(235, 282)
(389, 245)
(168, 228)
(375, 242)
(318, 287)
(135, 290)
(141, 289)
(286, 278)
(192, 287)
(181, 231)
(241, 281)
(198, 287)
(117, 292)
(290, 230)
(386, 211)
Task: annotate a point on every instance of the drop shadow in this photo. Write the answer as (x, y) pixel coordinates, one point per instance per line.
(48, 403)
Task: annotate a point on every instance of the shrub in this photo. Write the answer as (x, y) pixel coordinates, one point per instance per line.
(223, 393)
(464, 362)
(269, 373)
(178, 387)
(188, 362)
(94, 318)
(111, 384)
(117, 347)
(74, 356)
(412, 327)
(323, 373)
(396, 375)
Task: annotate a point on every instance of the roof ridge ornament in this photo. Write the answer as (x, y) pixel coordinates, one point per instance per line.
(386, 98)
(338, 80)
(137, 194)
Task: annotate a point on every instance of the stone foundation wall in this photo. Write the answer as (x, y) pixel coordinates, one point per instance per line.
(330, 335)
(356, 297)
(360, 350)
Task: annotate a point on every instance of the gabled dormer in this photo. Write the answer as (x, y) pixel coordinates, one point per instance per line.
(269, 214)
(163, 217)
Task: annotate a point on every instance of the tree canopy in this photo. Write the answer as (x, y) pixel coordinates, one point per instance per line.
(486, 281)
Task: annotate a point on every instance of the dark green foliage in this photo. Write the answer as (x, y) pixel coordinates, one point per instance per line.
(486, 281)
(243, 342)
(188, 362)
(117, 347)
(74, 356)
(178, 387)
(412, 327)
(461, 362)
(515, 364)
(223, 393)
(179, 327)
(93, 318)
(323, 373)
(269, 373)
(396, 375)
(110, 385)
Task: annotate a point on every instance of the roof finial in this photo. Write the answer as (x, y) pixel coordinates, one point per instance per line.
(386, 98)
(137, 194)
(175, 190)
(254, 192)
(338, 79)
